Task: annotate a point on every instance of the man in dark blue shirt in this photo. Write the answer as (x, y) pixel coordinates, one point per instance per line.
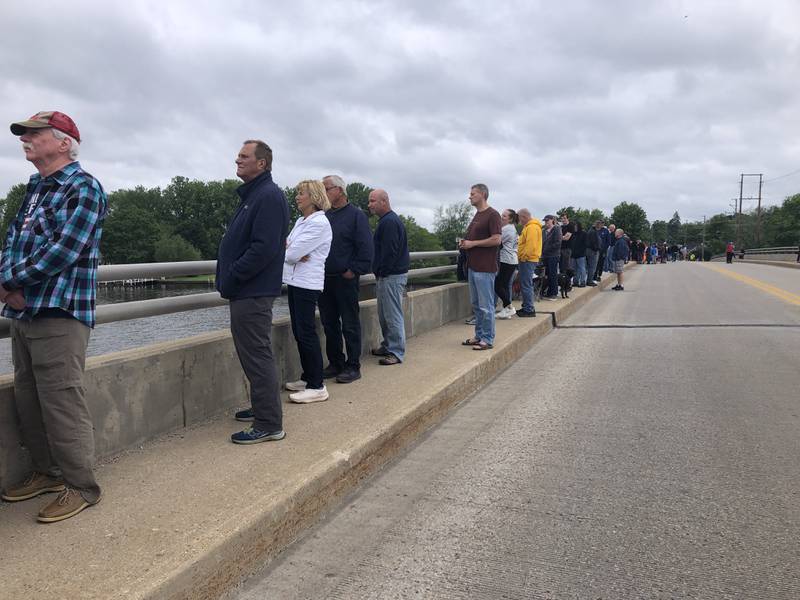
(249, 274)
(349, 258)
(390, 266)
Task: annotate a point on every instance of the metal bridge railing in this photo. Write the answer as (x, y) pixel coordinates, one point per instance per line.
(123, 311)
(762, 251)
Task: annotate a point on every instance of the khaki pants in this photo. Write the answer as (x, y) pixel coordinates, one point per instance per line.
(49, 357)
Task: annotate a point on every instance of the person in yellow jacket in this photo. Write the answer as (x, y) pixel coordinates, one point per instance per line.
(528, 252)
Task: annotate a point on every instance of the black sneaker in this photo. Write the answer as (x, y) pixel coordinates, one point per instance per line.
(526, 313)
(255, 436)
(591, 284)
(245, 415)
(348, 376)
(330, 372)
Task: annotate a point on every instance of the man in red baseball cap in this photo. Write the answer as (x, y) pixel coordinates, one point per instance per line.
(48, 276)
(52, 119)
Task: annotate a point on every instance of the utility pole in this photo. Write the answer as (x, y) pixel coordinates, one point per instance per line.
(738, 214)
(703, 244)
(758, 218)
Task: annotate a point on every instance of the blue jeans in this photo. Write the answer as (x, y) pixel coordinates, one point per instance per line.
(526, 271)
(481, 293)
(609, 267)
(390, 290)
(580, 270)
(551, 266)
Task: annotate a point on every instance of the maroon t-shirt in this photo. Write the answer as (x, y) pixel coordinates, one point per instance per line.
(484, 225)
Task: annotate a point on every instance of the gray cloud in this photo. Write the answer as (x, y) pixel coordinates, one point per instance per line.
(580, 103)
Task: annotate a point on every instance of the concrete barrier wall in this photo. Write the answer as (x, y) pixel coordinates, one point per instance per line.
(136, 395)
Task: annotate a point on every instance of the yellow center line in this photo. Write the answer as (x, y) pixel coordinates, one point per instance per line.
(770, 289)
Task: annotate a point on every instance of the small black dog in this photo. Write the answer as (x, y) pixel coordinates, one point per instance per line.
(565, 282)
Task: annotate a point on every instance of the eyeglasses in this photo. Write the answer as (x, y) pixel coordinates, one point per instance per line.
(333, 187)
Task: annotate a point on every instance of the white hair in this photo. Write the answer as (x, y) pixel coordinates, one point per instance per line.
(74, 146)
(337, 181)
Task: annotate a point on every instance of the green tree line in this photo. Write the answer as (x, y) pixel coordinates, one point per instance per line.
(186, 220)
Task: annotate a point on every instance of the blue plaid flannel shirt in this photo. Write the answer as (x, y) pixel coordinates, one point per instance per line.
(52, 247)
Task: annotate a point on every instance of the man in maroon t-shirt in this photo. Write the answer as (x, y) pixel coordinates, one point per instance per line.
(482, 244)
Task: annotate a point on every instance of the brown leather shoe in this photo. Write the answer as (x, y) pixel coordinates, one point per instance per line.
(68, 504)
(35, 484)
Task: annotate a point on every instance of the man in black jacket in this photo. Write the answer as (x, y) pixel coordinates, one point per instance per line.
(594, 241)
(349, 258)
(551, 254)
(390, 266)
(249, 275)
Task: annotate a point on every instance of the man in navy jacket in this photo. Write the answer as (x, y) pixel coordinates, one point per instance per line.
(349, 258)
(249, 275)
(390, 266)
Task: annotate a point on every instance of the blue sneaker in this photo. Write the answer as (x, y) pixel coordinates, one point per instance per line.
(245, 415)
(254, 436)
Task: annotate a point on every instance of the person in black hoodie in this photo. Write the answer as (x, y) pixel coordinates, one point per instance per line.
(551, 254)
(349, 258)
(249, 275)
(579, 255)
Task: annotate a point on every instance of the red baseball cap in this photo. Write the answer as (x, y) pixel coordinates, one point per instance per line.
(51, 118)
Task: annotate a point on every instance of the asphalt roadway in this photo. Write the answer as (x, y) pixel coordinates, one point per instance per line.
(647, 448)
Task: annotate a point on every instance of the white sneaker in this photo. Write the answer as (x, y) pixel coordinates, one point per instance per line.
(296, 386)
(505, 314)
(307, 396)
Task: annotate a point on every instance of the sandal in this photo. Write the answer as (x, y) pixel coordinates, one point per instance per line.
(482, 346)
(471, 342)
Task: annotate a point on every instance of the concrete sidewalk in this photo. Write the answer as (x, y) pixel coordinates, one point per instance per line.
(190, 515)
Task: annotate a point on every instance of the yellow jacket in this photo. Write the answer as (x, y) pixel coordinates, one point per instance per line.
(530, 242)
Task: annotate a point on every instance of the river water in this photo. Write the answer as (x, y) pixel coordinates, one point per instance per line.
(123, 335)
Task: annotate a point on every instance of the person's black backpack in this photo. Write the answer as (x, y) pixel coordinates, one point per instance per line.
(461, 266)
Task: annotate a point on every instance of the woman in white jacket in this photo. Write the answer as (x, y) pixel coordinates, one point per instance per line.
(307, 248)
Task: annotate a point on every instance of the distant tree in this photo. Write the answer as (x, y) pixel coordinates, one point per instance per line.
(200, 211)
(451, 222)
(291, 198)
(358, 194)
(674, 228)
(587, 217)
(130, 233)
(10, 205)
(658, 231)
(422, 240)
(173, 248)
(632, 218)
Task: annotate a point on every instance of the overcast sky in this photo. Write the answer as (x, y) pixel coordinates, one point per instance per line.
(582, 103)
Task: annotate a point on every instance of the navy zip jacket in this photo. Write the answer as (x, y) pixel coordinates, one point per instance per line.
(391, 246)
(621, 249)
(250, 257)
(351, 247)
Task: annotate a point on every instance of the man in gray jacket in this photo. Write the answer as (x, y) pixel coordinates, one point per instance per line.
(551, 254)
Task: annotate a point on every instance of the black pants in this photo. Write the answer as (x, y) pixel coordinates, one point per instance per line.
(601, 261)
(302, 309)
(729, 257)
(551, 269)
(251, 327)
(502, 282)
(338, 311)
(566, 256)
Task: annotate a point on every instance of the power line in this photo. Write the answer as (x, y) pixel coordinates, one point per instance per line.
(782, 176)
